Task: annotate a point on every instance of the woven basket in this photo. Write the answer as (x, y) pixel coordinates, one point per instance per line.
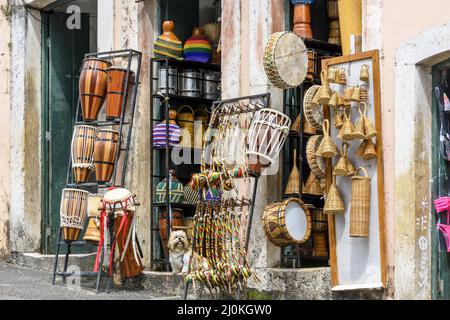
(334, 203)
(199, 129)
(332, 9)
(293, 186)
(296, 125)
(186, 123)
(317, 164)
(360, 205)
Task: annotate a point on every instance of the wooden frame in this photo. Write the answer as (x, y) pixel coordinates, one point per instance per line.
(375, 87)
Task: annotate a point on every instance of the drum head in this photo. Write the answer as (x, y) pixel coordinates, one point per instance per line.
(296, 221)
(116, 195)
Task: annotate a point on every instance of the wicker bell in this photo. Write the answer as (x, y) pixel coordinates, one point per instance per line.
(333, 101)
(327, 148)
(334, 203)
(361, 149)
(332, 75)
(293, 186)
(315, 99)
(341, 101)
(348, 94)
(356, 94)
(338, 121)
(360, 205)
(313, 185)
(347, 129)
(324, 91)
(369, 129)
(370, 150)
(341, 77)
(364, 76)
(363, 94)
(341, 168)
(350, 168)
(359, 132)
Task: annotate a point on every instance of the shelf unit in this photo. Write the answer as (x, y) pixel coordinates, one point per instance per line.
(301, 256)
(161, 101)
(124, 125)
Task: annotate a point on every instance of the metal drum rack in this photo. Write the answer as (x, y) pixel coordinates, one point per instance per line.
(125, 125)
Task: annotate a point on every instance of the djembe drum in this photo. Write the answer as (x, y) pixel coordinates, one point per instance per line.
(93, 228)
(105, 154)
(122, 205)
(287, 222)
(119, 83)
(320, 228)
(92, 85)
(83, 141)
(268, 132)
(73, 212)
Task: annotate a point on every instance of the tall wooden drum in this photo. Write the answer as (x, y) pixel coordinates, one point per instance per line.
(287, 222)
(93, 82)
(105, 154)
(116, 90)
(73, 212)
(83, 141)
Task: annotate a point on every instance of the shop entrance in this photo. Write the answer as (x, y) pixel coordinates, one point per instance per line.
(441, 177)
(69, 31)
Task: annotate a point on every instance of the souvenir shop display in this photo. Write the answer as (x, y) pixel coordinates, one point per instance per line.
(355, 195)
(160, 132)
(302, 18)
(360, 204)
(167, 45)
(285, 60)
(83, 141)
(110, 78)
(73, 212)
(197, 48)
(287, 222)
(93, 229)
(119, 206)
(93, 85)
(105, 154)
(119, 83)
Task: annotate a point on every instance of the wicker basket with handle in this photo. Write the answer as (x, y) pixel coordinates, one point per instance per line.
(360, 205)
(186, 123)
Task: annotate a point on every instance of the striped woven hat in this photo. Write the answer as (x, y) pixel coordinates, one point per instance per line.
(168, 48)
(197, 48)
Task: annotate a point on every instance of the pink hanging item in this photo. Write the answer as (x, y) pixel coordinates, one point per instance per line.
(443, 204)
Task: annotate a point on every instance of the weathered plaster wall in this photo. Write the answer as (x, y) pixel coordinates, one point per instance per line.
(5, 71)
(25, 212)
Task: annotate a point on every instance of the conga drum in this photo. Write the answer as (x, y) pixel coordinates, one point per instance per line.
(93, 228)
(177, 221)
(268, 132)
(73, 212)
(105, 154)
(93, 82)
(116, 89)
(83, 141)
(320, 228)
(287, 222)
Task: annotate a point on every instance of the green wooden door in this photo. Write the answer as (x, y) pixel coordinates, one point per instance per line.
(64, 52)
(441, 181)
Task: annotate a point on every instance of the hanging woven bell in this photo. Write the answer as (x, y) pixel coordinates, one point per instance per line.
(315, 99)
(364, 75)
(296, 125)
(370, 150)
(347, 129)
(359, 132)
(327, 148)
(348, 94)
(350, 167)
(333, 202)
(356, 94)
(338, 121)
(313, 185)
(363, 94)
(334, 100)
(324, 91)
(341, 101)
(341, 77)
(293, 186)
(361, 149)
(369, 129)
(308, 128)
(341, 168)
